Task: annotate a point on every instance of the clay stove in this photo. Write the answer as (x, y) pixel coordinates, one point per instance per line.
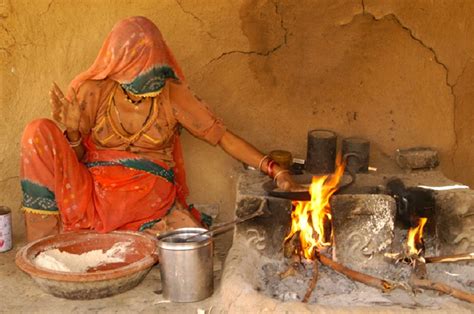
(368, 228)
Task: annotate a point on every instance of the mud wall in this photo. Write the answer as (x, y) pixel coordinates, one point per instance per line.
(399, 73)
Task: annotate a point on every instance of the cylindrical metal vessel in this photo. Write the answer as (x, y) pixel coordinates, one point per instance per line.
(360, 147)
(321, 152)
(186, 268)
(282, 157)
(5, 229)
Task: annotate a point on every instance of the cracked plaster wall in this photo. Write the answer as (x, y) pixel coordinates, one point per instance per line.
(399, 73)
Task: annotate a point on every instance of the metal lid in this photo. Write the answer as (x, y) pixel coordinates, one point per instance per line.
(176, 239)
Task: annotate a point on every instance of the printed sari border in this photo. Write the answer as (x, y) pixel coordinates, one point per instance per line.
(151, 223)
(37, 196)
(39, 211)
(137, 164)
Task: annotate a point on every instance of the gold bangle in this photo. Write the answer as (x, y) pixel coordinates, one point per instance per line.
(278, 174)
(261, 162)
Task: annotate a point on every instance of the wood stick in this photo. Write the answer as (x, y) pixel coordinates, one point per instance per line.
(292, 268)
(450, 258)
(419, 269)
(418, 280)
(292, 246)
(418, 272)
(382, 284)
(441, 287)
(313, 282)
(289, 272)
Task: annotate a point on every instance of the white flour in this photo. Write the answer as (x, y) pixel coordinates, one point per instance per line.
(54, 259)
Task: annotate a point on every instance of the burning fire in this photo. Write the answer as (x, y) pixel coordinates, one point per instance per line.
(310, 218)
(415, 237)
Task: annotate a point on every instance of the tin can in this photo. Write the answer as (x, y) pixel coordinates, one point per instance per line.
(5, 229)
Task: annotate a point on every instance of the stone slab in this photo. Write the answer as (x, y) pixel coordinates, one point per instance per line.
(363, 230)
(455, 221)
(417, 158)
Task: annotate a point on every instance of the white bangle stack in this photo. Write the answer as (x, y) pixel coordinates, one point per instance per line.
(261, 162)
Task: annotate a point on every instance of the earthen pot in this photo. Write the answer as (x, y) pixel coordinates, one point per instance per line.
(103, 281)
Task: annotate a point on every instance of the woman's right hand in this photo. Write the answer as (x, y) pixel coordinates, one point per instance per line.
(65, 112)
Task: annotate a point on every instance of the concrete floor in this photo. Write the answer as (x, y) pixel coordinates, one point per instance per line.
(20, 293)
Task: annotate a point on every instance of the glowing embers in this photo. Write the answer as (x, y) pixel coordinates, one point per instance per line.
(311, 220)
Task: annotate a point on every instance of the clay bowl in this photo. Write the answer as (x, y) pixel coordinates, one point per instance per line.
(102, 281)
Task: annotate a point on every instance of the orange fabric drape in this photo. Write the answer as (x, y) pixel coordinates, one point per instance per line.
(133, 47)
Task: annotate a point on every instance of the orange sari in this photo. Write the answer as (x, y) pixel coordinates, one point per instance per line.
(110, 190)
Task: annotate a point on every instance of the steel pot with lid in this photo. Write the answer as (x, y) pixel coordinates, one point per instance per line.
(186, 268)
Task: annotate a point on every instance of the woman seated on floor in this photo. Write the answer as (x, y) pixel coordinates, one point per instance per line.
(119, 163)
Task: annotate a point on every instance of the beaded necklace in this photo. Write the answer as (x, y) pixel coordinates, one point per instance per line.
(120, 120)
(130, 100)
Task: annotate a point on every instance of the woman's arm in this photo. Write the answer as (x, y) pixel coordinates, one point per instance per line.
(196, 117)
(77, 112)
(68, 113)
(245, 152)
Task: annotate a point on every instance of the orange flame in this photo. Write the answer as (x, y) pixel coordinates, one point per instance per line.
(415, 236)
(309, 218)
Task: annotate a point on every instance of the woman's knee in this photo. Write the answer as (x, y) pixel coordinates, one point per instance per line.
(181, 218)
(37, 128)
